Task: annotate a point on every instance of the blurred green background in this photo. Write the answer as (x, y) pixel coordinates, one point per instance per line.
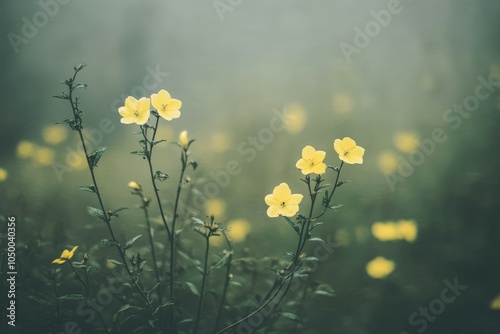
(235, 66)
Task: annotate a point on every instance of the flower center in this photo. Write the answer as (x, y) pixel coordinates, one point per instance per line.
(136, 113)
(346, 152)
(163, 107)
(282, 204)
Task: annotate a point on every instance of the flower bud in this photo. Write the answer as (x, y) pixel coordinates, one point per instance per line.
(134, 186)
(183, 139)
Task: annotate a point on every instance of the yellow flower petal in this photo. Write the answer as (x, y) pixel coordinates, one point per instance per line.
(348, 151)
(282, 202)
(380, 267)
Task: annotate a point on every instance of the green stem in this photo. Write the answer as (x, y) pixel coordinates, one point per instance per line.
(106, 217)
(173, 241)
(203, 282)
(226, 282)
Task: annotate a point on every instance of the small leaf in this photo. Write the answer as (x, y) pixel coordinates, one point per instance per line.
(72, 297)
(341, 182)
(162, 306)
(62, 97)
(131, 241)
(315, 225)
(118, 263)
(335, 207)
(194, 164)
(114, 213)
(87, 188)
(192, 288)
(317, 239)
(324, 293)
(310, 258)
(78, 86)
(95, 156)
(222, 262)
(155, 142)
(107, 242)
(143, 143)
(290, 316)
(138, 153)
(161, 176)
(96, 213)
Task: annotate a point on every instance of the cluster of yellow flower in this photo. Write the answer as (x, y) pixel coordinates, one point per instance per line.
(138, 111)
(282, 202)
(400, 230)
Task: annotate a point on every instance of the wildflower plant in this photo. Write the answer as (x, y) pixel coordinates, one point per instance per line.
(157, 277)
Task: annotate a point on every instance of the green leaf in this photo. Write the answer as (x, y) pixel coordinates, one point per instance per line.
(87, 188)
(142, 153)
(107, 242)
(317, 239)
(95, 156)
(324, 293)
(292, 224)
(290, 316)
(143, 143)
(71, 122)
(310, 258)
(78, 86)
(114, 213)
(192, 288)
(162, 306)
(126, 307)
(131, 241)
(194, 164)
(96, 213)
(335, 207)
(222, 262)
(315, 225)
(155, 142)
(341, 182)
(161, 176)
(118, 263)
(62, 97)
(72, 297)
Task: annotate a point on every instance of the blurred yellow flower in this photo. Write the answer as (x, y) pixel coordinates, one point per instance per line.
(312, 161)
(407, 141)
(65, 256)
(54, 134)
(3, 174)
(167, 107)
(135, 111)
(341, 103)
(495, 303)
(295, 118)
(44, 156)
(134, 185)
(238, 229)
(220, 142)
(215, 207)
(348, 151)
(282, 202)
(110, 265)
(407, 230)
(380, 267)
(183, 139)
(385, 231)
(25, 149)
(401, 230)
(388, 162)
(343, 237)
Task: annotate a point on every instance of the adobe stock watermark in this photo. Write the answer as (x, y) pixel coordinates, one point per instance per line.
(31, 25)
(249, 149)
(224, 6)
(373, 28)
(322, 252)
(425, 315)
(94, 137)
(453, 116)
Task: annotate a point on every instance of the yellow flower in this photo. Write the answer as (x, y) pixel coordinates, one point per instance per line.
(220, 142)
(380, 267)
(65, 256)
(495, 303)
(25, 149)
(312, 161)
(184, 140)
(134, 185)
(44, 156)
(406, 142)
(388, 162)
(407, 230)
(167, 107)
(3, 174)
(135, 111)
(54, 134)
(385, 232)
(348, 151)
(282, 202)
(215, 207)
